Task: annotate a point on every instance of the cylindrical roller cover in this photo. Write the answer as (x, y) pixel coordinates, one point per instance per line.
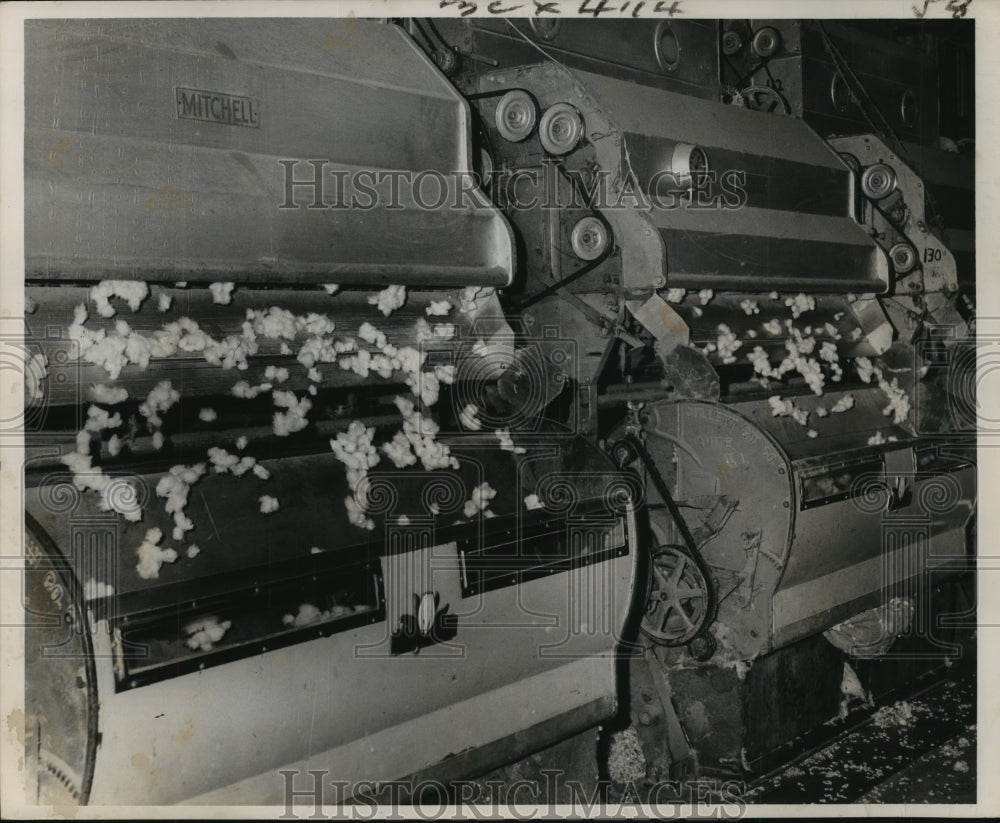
(227, 149)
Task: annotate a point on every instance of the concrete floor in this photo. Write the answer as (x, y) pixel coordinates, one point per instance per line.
(921, 750)
(918, 750)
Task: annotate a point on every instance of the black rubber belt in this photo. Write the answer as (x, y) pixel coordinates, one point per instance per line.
(672, 507)
(530, 300)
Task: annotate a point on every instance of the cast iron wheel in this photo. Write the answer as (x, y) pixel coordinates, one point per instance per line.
(681, 602)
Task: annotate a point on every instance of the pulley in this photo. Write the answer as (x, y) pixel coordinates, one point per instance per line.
(589, 238)
(686, 161)
(766, 42)
(903, 257)
(561, 129)
(878, 181)
(516, 115)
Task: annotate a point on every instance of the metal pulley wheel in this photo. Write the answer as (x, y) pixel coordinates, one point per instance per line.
(666, 46)
(731, 43)
(590, 238)
(687, 161)
(61, 701)
(561, 129)
(766, 42)
(516, 115)
(840, 94)
(681, 602)
(903, 257)
(446, 60)
(878, 181)
(766, 99)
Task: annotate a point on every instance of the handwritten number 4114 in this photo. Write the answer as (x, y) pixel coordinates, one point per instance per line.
(595, 8)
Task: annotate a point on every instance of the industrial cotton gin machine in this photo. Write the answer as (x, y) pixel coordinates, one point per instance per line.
(378, 371)
(747, 227)
(288, 507)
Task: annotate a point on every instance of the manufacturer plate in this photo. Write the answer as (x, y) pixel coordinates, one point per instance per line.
(217, 107)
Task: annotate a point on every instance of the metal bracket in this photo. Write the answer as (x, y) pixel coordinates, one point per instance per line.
(656, 721)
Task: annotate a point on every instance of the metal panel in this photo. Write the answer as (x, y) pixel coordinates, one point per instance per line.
(353, 702)
(794, 231)
(678, 54)
(127, 176)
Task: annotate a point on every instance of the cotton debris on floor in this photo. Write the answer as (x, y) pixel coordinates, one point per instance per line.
(899, 713)
(626, 760)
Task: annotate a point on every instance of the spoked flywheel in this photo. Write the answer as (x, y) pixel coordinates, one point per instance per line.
(681, 602)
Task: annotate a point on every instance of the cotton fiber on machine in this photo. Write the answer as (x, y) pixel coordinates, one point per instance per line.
(274, 519)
